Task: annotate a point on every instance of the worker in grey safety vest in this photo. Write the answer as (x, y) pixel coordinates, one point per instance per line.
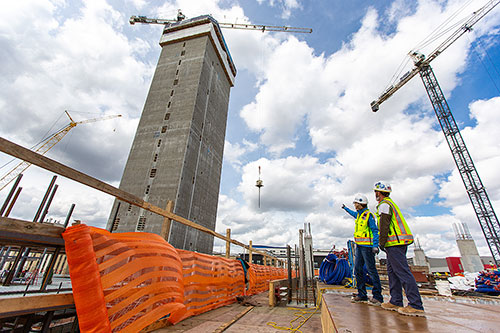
(395, 236)
(366, 238)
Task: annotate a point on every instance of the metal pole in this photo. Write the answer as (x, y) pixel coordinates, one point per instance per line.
(7, 213)
(313, 282)
(50, 268)
(6, 202)
(46, 209)
(5, 257)
(71, 213)
(289, 263)
(39, 211)
(301, 263)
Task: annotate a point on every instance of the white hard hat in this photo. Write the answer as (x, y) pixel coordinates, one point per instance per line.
(382, 186)
(361, 199)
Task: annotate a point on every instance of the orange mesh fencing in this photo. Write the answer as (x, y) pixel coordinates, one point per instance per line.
(136, 279)
(259, 277)
(124, 282)
(210, 282)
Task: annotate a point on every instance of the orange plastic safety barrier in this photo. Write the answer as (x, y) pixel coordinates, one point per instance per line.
(124, 282)
(259, 277)
(210, 282)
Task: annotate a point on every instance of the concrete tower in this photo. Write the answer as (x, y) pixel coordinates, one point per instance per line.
(177, 150)
(469, 256)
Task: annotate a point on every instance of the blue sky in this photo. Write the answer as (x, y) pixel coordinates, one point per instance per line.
(299, 109)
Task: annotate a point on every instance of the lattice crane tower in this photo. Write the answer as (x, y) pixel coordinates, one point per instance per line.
(475, 189)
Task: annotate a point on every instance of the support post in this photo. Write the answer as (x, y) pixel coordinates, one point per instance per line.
(250, 251)
(228, 243)
(167, 222)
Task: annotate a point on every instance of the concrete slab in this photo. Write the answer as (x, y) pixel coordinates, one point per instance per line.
(442, 315)
(255, 321)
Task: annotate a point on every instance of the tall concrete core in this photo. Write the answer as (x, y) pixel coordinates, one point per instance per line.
(177, 150)
(469, 256)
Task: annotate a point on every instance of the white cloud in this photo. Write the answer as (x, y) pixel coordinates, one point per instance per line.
(325, 99)
(287, 6)
(320, 142)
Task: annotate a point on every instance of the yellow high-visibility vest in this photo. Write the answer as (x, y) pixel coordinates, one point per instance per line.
(399, 232)
(362, 233)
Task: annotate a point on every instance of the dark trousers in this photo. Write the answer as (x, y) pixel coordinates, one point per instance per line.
(365, 256)
(401, 277)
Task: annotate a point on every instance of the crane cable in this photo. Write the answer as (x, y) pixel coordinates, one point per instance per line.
(44, 138)
(437, 33)
(483, 49)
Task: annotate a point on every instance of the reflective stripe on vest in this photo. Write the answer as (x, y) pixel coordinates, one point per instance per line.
(399, 232)
(362, 232)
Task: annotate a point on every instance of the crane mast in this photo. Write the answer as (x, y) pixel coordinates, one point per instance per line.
(475, 189)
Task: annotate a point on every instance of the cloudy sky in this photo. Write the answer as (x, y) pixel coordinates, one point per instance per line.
(299, 109)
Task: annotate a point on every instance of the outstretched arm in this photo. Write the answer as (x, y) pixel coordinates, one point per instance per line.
(349, 211)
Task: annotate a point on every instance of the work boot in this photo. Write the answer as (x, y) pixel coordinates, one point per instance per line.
(410, 311)
(357, 299)
(374, 302)
(389, 306)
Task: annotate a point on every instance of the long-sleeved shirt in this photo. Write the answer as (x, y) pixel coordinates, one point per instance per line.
(371, 224)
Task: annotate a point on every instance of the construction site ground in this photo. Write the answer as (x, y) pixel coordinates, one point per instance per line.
(225, 319)
(443, 314)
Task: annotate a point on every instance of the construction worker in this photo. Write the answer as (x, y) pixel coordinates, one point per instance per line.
(395, 236)
(366, 239)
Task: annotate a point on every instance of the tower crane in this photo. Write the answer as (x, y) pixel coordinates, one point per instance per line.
(46, 145)
(180, 17)
(475, 189)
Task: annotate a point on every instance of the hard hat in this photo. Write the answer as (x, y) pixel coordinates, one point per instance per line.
(382, 186)
(361, 199)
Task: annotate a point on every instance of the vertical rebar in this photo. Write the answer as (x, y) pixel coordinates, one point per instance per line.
(39, 211)
(7, 213)
(289, 264)
(68, 217)
(301, 263)
(7, 199)
(46, 209)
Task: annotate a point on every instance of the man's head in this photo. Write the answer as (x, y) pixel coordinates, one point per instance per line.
(382, 190)
(360, 201)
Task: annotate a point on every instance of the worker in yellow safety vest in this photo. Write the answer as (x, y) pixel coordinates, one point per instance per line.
(395, 236)
(366, 239)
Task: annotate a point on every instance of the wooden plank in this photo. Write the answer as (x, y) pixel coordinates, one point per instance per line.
(225, 326)
(327, 323)
(165, 227)
(65, 171)
(10, 307)
(13, 231)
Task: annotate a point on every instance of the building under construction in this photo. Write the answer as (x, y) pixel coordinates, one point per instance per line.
(177, 150)
(121, 280)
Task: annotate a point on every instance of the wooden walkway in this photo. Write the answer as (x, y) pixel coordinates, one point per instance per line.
(443, 314)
